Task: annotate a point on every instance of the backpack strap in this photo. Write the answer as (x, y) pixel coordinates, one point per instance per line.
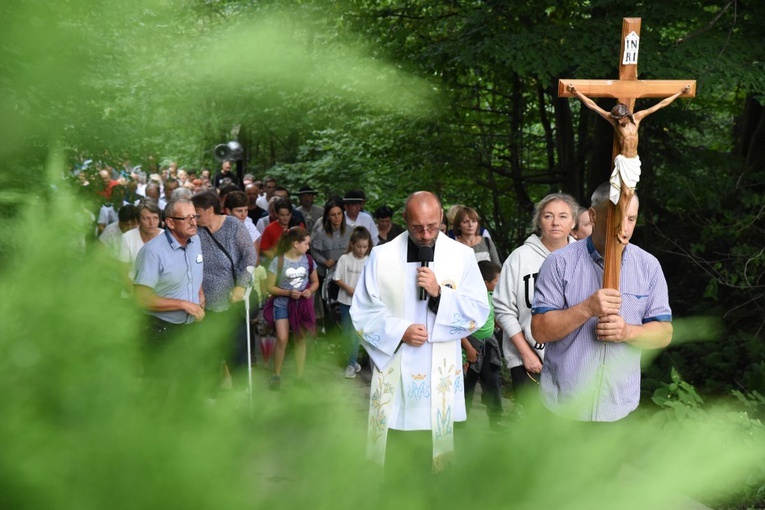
(310, 264)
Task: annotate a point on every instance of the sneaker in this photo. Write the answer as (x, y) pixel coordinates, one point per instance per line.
(357, 367)
(275, 383)
(350, 372)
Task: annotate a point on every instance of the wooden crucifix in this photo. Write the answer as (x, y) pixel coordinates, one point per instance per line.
(625, 90)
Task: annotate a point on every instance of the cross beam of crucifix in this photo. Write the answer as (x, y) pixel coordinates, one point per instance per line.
(625, 90)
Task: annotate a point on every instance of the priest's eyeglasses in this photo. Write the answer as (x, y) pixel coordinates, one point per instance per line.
(420, 229)
(187, 218)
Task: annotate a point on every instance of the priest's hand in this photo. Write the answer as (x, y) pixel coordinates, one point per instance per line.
(604, 302)
(415, 335)
(612, 328)
(426, 279)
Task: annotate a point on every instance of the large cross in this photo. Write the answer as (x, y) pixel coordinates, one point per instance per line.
(625, 90)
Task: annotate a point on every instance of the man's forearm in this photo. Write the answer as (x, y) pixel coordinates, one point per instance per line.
(651, 335)
(554, 325)
(150, 301)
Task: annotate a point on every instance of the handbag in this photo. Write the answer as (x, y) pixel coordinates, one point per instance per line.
(268, 311)
(333, 290)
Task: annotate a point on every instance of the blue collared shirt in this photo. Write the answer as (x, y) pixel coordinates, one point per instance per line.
(582, 377)
(172, 271)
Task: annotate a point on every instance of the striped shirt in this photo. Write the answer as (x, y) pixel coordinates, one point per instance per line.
(582, 377)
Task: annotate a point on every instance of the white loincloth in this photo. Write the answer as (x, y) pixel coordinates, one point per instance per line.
(626, 173)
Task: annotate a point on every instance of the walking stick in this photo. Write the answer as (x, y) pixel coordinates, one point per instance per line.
(251, 270)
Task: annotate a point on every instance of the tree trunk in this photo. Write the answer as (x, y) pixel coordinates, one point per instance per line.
(750, 135)
(570, 168)
(516, 146)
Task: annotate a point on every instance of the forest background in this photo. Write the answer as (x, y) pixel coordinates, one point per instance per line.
(459, 97)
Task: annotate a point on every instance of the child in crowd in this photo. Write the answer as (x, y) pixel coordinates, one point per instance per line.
(292, 281)
(583, 225)
(346, 276)
(482, 354)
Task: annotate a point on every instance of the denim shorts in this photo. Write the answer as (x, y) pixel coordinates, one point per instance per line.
(280, 313)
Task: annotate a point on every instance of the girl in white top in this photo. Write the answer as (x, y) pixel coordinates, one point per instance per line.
(346, 276)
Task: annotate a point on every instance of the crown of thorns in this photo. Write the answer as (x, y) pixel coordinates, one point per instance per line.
(621, 110)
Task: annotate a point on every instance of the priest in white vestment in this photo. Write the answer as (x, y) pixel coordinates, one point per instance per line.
(413, 337)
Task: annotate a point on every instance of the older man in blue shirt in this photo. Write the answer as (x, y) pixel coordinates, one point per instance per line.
(595, 336)
(168, 279)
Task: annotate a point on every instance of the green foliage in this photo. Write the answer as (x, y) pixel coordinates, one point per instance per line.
(682, 407)
(715, 243)
(679, 396)
(754, 403)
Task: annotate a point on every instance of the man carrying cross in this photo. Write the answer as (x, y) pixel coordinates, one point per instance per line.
(626, 171)
(595, 336)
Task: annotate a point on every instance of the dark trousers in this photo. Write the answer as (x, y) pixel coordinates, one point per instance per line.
(161, 333)
(232, 326)
(490, 385)
(525, 389)
(170, 357)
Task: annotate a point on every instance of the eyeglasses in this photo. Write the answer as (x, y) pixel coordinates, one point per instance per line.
(420, 229)
(187, 218)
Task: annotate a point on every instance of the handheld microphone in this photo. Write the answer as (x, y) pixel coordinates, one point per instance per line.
(425, 255)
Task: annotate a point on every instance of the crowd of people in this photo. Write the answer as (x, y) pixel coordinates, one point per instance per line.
(191, 245)
(431, 301)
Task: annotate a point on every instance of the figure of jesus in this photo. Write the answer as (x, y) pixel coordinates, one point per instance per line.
(626, 173)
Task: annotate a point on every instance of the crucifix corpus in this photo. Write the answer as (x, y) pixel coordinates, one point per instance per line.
(626, 169)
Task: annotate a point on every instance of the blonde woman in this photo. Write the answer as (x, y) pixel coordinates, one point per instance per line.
(553, 221)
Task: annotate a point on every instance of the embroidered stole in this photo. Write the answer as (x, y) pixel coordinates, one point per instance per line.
(443, 372)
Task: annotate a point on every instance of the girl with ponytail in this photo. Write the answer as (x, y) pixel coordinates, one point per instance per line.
(292, 281)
